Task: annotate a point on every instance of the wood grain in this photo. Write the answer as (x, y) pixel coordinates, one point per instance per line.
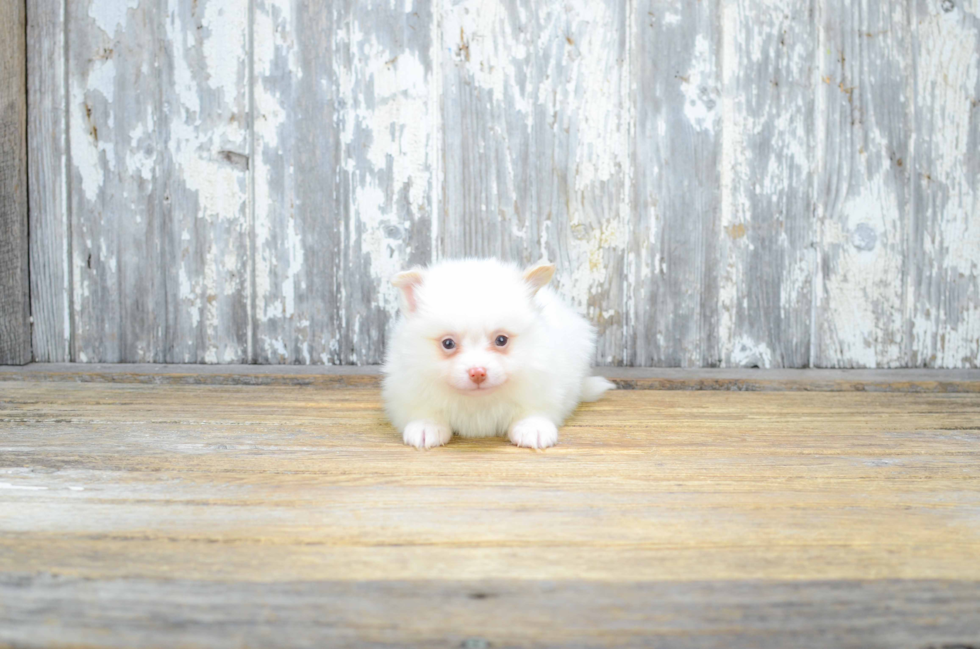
(301, 202)
(50, 227)
(15, 326)
(721, 183)
(158, 134)
(869, 614)
(764, 254)
(536, 116)
(344, 177)
(863, 134)
(677, 183)
(943, 307)
(393, 100)
(145, 515)
(792, 380)
(488, 67)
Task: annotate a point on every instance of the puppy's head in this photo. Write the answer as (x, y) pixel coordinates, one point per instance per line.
(470, 325)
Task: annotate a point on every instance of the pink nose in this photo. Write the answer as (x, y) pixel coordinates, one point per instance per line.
(478, 374)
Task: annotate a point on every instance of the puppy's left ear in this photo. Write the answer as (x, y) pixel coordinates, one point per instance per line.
(539, 275)
(408, 282)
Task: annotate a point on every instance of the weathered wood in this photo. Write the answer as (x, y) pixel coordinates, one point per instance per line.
(159, 141)
(942, 318)
(764, 256)
(50, 227)
(300, 191)
(723, 615)
(793, 380)
(324, 376)
(535, 141)
(632, 378)
(345, 140)
(393, 103)
(704, 493)
(487, 54)
(581, 166)
(676, 213)
(863, 131)
(15, 310)
(721, 183)
(139, 515)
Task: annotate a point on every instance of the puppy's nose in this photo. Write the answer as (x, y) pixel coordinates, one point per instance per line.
(478, 374)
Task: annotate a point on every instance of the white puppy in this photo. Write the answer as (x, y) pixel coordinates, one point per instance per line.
(482, 349)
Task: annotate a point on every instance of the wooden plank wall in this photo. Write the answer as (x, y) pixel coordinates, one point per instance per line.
(15, 328)
(729, 183)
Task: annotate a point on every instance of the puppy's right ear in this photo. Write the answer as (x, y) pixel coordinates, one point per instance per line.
(538, 276)
(408, 282)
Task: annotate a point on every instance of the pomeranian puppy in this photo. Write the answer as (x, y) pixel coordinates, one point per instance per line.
(482, 349)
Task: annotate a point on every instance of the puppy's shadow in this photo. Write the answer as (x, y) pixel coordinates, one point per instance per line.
(487, 445)
(479, 444)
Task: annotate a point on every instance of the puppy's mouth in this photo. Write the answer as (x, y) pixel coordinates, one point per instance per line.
(478, 389)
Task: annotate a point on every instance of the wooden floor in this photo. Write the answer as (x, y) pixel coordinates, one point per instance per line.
(138, 515)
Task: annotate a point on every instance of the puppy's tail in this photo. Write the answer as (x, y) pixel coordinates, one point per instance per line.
(594, 387)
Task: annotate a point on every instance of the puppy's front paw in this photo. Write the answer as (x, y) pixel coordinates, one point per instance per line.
(533, 432)
(426, 433)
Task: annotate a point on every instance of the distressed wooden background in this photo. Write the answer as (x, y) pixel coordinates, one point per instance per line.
(781, 183)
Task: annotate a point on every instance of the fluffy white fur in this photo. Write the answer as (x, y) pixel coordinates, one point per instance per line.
(529, 385)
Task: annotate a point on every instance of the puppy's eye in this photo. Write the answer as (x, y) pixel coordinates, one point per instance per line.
(500, 341)
(448, 344)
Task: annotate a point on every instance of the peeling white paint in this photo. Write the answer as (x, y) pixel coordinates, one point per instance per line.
(481, 37)
(395, 125)
(91, 155)
(397, 128)
(699, 88)
(274, 348)
(550, 96)
(594, 97)
(748, 353)
(734, 206)
(7, 485)
(294, 246)
(272, 37)
(862, 201)
(863, 294)
(765, 169)
(225, 45)
(948, 69)
(205, 127)
(141, 156)
(946, 333)
(109, 15)
(190, 294)
(589, 272)
(185, 85)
